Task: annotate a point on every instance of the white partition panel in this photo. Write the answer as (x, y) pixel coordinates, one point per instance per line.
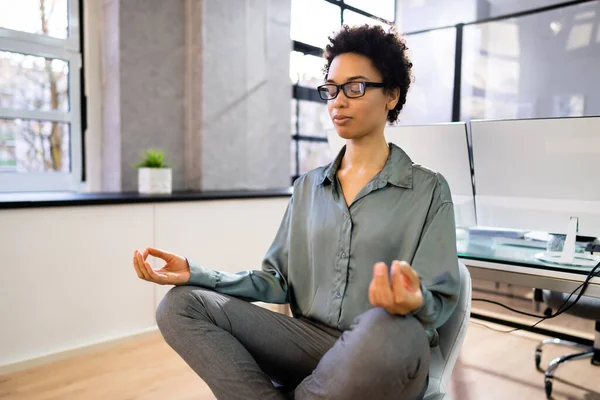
(67, 279)
(439, 147)
(536, 174)
(231, 235)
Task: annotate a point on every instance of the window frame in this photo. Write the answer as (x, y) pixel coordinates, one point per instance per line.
(69, 50)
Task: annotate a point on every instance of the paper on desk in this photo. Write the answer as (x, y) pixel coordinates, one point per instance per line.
(538, 236)
(497, 232)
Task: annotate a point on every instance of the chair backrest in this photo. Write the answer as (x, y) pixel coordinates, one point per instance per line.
(452, 335)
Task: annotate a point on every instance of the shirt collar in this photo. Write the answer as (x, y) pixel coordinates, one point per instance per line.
(397, 169)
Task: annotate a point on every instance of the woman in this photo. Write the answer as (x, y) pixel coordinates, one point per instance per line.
(365, 256)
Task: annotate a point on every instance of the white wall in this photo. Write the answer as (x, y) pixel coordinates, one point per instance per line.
(67, 275)
(224, 235)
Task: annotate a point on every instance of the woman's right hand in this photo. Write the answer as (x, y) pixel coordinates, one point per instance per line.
(176, 271)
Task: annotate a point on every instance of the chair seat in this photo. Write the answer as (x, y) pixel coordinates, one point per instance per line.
(433, 389)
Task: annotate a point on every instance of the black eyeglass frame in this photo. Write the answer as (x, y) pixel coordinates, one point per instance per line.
(365, 85)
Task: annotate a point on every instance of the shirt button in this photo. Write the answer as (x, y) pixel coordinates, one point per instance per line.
(338, 295)
(343, 255)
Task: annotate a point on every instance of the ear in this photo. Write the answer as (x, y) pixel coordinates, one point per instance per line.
(393, 98)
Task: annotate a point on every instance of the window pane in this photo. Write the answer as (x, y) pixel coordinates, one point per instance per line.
(535, 66)
(429, 99)
(380, 8)
(314, 119)
(427, 14)
(34, 146)
(352, 18)
(313, 21)
(489, 9)
(35, 83)
(29, 16)
(313, 155)
(306, 70)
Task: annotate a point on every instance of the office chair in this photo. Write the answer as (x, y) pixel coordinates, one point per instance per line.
(586, 307)
(452, 335)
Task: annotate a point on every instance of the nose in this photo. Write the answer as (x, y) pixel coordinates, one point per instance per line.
(341, 101)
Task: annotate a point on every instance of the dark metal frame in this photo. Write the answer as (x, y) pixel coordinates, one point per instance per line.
(343, 88)
(303, 93)
(82, 91)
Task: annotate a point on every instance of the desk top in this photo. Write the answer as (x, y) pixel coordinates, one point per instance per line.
(512, 252)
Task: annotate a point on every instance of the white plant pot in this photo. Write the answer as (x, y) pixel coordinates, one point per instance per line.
(154, 180)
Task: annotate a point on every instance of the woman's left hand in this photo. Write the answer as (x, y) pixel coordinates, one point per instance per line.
(402, 295)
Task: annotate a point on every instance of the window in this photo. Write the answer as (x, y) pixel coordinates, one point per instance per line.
(541, 62)
(312, 22)
(490, 8)
(419, 15)
(40, 95)
(534, 66)
(306, 70)
(429, 99)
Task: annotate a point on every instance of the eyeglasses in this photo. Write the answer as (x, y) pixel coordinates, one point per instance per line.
(351, 90)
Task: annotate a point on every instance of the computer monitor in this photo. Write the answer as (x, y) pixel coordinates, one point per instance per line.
(535, 174)
(440, 147)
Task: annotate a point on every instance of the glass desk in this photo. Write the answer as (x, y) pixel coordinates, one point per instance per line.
(499, 259)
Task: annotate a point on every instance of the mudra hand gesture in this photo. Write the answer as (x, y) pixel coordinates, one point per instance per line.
(400, 296)
(176, 271)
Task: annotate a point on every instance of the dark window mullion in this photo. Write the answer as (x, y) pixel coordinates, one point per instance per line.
(456, 96)
(343, 6)
(305, 138)
(307, 49)
(306, 93)
(297, 134)
(83, 96)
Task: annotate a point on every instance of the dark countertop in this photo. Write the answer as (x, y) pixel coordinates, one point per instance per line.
(67, 199)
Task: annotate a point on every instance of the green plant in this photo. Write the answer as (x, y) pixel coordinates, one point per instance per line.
(152, 159)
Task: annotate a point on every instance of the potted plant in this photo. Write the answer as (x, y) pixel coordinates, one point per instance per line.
(154, 176)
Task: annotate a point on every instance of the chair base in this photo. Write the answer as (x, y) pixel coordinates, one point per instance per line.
(588, 352)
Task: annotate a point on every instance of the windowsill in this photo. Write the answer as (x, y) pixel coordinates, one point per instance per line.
(66, 199)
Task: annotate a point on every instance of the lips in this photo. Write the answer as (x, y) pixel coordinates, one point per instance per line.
(341, 119)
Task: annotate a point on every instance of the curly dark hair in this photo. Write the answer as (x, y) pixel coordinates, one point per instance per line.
(387, 51)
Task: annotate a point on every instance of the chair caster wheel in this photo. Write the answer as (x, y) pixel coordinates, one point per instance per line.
(538, 360)
(548, 387)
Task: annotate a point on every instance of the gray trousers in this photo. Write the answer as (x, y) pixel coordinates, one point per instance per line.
(240, 349)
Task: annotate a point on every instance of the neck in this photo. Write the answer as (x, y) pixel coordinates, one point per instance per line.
(367, 153)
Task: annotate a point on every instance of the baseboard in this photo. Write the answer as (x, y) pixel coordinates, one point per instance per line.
(85, 349)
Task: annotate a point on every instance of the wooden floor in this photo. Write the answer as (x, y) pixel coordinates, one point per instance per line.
(492, 366)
